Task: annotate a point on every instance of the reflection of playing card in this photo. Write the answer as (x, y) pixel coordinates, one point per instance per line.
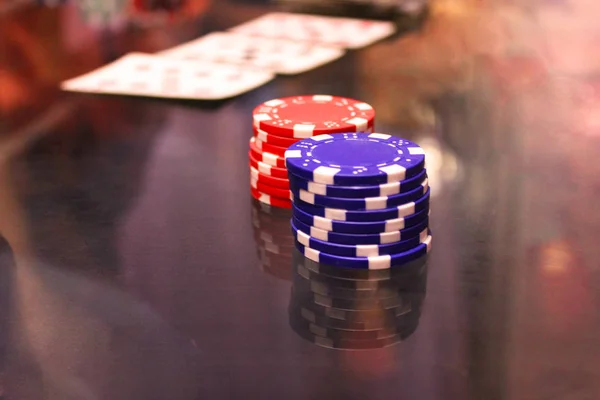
(140, 74)
(277, 55)
(340, 32)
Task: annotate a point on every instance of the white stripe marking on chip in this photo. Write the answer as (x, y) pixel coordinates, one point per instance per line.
(322, 223)
(394, 172)
(382, 136)
(303, 131)
(324, 174)
(375, 203)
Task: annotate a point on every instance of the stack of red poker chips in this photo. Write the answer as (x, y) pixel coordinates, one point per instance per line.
(279, 123)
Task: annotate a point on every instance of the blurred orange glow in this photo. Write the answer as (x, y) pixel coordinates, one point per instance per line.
(556, 257)
(369, 364)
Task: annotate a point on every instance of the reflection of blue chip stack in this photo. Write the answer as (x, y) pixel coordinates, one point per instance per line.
(354, 309)
(360, 200)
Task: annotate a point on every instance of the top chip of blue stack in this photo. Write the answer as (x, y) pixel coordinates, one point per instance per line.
(355, 159)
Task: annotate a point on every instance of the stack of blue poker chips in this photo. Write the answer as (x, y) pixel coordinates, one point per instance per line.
(360, 200)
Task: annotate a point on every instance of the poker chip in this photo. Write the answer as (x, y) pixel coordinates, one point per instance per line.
(355, 159)
(269, 180)
(270, 190)
(384, 189)
(359, 250)
(354, 239)
(331, 225)
(267, 169)
(306, 116)
(372, 262)
(266, 157)
(270, 200)
(281, 141)
(275, 140)
(364, 204)
(269, 148)
(400, 211)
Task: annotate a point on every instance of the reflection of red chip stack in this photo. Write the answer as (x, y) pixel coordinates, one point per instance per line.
(279, 123)
(273, 239)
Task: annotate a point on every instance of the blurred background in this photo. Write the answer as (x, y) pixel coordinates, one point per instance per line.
(128, 268)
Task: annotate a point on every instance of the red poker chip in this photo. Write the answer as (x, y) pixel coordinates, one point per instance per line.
(274, 139)
(281, 141)
(269, 180)
(267, 169)
(306, 116)
(270, 200)
(269, 148)
(270, 190)
(265, 156)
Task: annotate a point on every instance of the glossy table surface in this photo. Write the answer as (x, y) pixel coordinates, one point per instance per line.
(130, 270)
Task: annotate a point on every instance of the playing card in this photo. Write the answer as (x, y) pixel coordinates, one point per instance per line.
(334, 31)
(140, 74)
(278, 55)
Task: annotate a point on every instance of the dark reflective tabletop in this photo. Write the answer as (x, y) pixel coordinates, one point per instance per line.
(134, 264)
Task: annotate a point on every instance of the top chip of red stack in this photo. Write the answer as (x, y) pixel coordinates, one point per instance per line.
(306, 116)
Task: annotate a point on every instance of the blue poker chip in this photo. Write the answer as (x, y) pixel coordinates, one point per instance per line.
(374, 262)
(366, 216)
(331, 225)
(355, 159)
(384, 189)
(368, 203)
(369, 238)
(361, 250)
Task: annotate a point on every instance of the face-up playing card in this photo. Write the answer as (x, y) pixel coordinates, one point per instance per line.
(140, 74)
(278, 55)
(334, 31)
